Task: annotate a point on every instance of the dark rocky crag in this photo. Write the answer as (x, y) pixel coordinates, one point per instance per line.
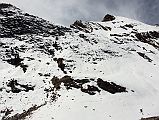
(15, 22)
(108, 17)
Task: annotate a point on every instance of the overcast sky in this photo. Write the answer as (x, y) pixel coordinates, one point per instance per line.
(67, 11)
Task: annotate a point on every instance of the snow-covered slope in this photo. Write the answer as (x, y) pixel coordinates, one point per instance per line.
(92, 70)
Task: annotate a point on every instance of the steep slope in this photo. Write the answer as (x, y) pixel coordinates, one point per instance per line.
(92, 70)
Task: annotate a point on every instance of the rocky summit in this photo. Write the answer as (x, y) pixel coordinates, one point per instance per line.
(88, 71)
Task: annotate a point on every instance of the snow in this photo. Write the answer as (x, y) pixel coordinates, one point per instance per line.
(123, 66)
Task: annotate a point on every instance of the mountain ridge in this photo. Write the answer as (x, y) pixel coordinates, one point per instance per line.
(92, 70)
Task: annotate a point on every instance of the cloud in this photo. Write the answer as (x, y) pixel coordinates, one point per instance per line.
(67, 11)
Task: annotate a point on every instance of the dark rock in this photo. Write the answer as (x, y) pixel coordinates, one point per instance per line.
(13, 58)
(82, 81)
(108, 18)
(110, 86)
(18, 23)
(91, 90)
(147, 37)
(6, 111)
(61, 65)
(14, 85)
(2, 44)
(67, 80)
(103, 27)
(129, 26)
(15, 61)
(144, 56)
(124, 27)
(40, 74)
(78, 24)
(70, 83)
(47, 75)
(5, 5)
(112, 53)
(56, 82)
(82, 36)
(24, 114)
(82, 26)
(118, 35)
(24, 67)
(56, 46)
(151, 118)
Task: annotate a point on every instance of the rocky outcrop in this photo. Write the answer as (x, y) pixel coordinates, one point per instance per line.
(70, 83)
(82, 26)
(14, 22)
(151, 118)
(108, 18)
(110, 86)
(149, 38)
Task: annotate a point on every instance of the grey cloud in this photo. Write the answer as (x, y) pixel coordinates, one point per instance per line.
(67, 11)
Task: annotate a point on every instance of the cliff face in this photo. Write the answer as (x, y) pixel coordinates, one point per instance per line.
(92, 70)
